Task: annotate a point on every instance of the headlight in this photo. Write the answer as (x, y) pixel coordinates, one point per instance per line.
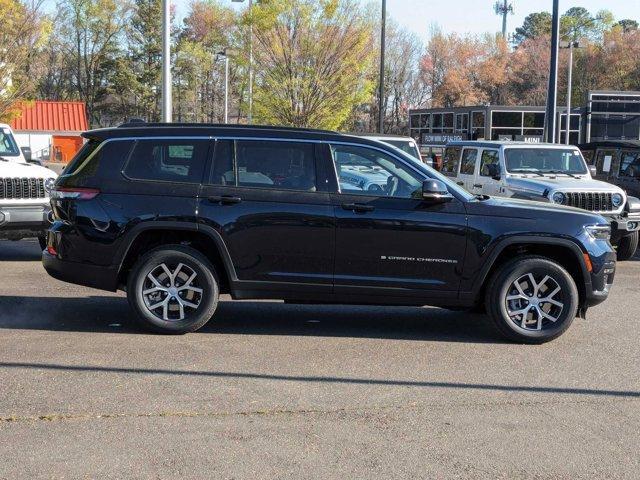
(48, 184)
(598, 232)
(558, 197)
(617, 199)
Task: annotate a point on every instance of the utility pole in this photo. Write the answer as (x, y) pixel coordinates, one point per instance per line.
(382, 53)
(503, 8)
(552, 93)
(167, 114)
(250, 114)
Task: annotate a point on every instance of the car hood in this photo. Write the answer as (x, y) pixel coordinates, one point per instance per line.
(562, 183)
(527, 209)
(25, 170)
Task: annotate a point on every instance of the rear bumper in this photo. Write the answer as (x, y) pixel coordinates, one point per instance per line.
(95, 276)
(19, 221)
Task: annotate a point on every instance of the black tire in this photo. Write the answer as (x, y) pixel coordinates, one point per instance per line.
(42, 240)
(627, 246)
(188, 319)
(502, 284)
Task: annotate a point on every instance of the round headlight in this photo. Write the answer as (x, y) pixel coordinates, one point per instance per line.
(48, 184)
(558, 197)
(617, 199)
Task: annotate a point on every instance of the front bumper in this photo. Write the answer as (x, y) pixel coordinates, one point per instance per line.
(20, 221)
(602, 276)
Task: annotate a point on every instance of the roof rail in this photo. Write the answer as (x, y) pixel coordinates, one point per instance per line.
(140, 123)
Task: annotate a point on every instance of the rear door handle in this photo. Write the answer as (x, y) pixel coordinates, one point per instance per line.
(460, 183)
(358, 207)
(225, 199)
(477, 185)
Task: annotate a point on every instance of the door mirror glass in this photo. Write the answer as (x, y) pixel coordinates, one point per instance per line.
(435, 191)
(593, 170)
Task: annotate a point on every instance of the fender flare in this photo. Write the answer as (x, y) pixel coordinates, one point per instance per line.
(131, 236)
(578, 253)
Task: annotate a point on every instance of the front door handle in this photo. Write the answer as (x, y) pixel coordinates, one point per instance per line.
(358, 207)
(460, 183)
(225, 199)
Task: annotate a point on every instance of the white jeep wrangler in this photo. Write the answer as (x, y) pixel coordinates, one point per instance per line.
(25, 210)
(544, 173)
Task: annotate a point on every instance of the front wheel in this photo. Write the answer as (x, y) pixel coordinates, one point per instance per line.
(627, 246)
(173, 289)
(532, 300)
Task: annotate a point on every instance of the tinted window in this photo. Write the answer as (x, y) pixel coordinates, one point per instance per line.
(222, 172)
(451, 160)
(281, 165)
(168, 160)
(489, 157)
(100, 163)
(468, 163)
(367, 171)
(82, 155)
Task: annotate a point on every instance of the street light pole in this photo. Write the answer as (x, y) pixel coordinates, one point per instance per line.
(382, 54)
(167, 114)
(250, 119)
(250, 113)
(569, 80)
(226, 88)
(552, 93)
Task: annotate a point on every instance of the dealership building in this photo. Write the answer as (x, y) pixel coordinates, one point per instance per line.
(606, 115)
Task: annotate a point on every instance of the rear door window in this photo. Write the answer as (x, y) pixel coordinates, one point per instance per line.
(168, 160)
(451, 161)
(275, 165)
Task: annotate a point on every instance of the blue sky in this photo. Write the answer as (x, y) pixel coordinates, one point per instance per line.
(476, 16)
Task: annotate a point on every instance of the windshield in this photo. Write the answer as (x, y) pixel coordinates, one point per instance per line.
(407, 146)
(544, 160)
(8, 146)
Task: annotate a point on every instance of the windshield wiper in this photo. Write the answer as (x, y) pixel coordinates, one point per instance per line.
(525, 170)
(561, 172)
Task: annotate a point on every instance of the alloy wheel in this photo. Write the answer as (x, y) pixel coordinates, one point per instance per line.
(171, 292)
(534, 302)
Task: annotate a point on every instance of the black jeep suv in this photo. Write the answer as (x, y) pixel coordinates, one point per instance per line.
(177, 214)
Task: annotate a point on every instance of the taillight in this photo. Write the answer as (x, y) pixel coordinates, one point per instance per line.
(62, 193)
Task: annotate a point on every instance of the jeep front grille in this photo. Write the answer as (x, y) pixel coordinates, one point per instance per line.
(21, 188)
(592, 201)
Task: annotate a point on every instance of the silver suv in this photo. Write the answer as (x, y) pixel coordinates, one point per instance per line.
(545, 173)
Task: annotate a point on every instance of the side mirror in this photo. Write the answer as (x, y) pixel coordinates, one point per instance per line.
(435, 191)
(492, 170)
(593, 170)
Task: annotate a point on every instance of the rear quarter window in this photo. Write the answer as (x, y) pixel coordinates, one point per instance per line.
(167, 160)
(95, 162)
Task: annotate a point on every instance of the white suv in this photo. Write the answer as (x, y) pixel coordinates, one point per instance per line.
(544, 173)
(25, 210)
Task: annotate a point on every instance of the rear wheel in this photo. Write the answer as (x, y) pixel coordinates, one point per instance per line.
(532, 300)
(173, 289)
(627, 246)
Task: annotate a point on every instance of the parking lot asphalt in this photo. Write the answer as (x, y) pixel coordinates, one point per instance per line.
(268, 390)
